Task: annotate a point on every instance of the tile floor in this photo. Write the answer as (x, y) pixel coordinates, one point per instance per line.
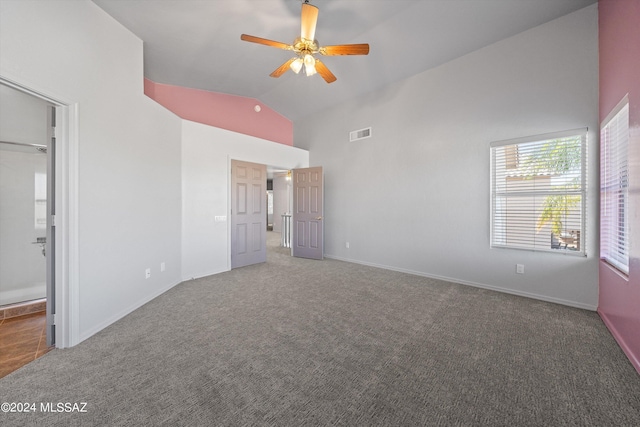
(22, 340)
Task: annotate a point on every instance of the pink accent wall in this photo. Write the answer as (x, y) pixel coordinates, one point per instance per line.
(619, 299)
(234, 113)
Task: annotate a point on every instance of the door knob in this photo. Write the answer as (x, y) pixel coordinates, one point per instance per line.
(319, 218)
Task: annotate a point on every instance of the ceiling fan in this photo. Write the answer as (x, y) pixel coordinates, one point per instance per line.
(306, 46)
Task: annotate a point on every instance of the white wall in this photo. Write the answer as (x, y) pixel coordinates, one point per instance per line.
(23, 119)
(128, 150)
(415, 196)
(22, 264)
(206, 156)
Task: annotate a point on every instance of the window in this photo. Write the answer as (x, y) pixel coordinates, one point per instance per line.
(538, 192)
(614, 187)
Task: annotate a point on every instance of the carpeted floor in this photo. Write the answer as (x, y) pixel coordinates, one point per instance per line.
(299, 342)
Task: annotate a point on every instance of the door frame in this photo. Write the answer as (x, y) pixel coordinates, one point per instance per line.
(66, 288)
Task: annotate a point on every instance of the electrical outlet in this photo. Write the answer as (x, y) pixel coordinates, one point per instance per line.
(147, 273)
(162, 266)
(346, 245)
(520, 268)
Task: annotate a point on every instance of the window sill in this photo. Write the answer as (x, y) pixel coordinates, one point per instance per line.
(624, 276)
(543, 251)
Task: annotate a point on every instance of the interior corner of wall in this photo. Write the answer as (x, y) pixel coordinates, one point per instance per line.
(150, 88)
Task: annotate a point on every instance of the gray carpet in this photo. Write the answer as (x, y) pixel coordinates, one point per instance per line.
(299, 342)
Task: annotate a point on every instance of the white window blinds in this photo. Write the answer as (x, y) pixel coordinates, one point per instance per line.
(538, 192)
(614, 185)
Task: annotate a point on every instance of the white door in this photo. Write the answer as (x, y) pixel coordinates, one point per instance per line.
(308, 229)
(248, 213)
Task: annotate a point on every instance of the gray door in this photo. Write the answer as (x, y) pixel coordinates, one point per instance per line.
(248, 213)
(51, 235)
(308, 230)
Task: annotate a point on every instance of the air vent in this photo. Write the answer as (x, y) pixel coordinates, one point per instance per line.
(357, 135)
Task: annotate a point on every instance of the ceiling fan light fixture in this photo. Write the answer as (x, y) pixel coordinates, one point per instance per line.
(309, 65)
(296, 65)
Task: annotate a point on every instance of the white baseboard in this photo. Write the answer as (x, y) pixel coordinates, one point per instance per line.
(34, 291)
(86, 334)
(474, 284)
(138, 304)
(206, 274)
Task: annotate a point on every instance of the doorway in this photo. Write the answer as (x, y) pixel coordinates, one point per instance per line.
(27, 160)
(260, 196)
(267, 200)
(280, 179)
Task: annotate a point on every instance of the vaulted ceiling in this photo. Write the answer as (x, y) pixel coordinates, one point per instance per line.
(196, 43)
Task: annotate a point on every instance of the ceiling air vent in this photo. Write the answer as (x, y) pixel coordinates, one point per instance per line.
(357, 135)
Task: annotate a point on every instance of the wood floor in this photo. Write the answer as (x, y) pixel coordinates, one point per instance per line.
(22, 340)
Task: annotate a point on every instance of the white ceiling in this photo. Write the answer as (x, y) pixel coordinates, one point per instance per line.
(196, 43)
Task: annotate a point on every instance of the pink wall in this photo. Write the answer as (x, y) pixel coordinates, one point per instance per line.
(619, 302)
(229, 112)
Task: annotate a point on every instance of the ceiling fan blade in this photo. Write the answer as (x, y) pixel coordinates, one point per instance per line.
(309, 18)
(345, 49)
(282, 69)
(324, 72)
(267, 42)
